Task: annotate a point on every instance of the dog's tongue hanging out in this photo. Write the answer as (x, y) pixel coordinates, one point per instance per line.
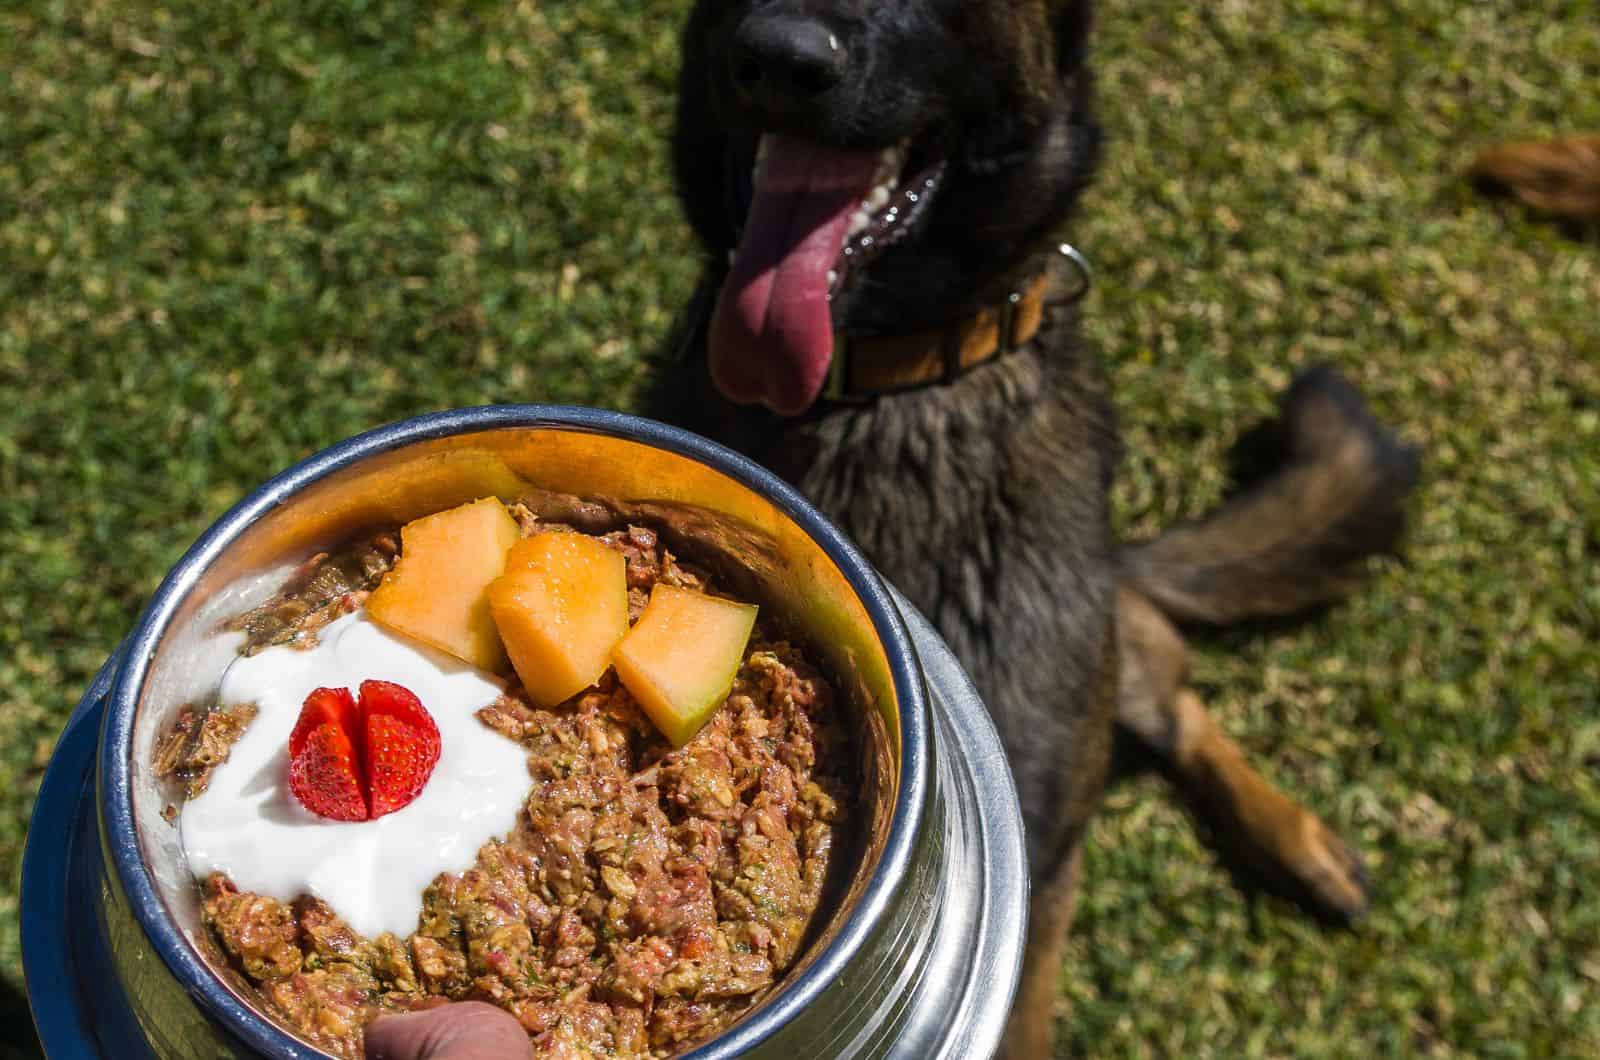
(772, 332)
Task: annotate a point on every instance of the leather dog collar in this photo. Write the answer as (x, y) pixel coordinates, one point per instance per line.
(866, 367)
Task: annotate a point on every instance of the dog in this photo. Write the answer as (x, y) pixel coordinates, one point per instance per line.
(888, 320)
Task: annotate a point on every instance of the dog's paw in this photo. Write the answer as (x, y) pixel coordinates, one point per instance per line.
(1331, 871)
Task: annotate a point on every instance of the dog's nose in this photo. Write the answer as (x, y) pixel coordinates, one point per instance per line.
(785, 61)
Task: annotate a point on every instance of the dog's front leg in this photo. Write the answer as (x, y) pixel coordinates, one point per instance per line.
(1057, 864)
(1030, 1034)
(1272, 834)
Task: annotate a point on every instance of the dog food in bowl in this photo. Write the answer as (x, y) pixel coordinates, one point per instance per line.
(623, 834)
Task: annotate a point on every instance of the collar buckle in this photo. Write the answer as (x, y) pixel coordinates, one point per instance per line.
(837, 386)
(1006, 333)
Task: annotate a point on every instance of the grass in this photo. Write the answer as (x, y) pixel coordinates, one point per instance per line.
(233, 233)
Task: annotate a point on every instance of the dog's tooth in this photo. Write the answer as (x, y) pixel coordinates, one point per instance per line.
(859, 221)
(833, 277)
(890, 161)
(880, 197)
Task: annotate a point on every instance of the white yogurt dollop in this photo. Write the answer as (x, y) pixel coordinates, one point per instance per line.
(247, 824)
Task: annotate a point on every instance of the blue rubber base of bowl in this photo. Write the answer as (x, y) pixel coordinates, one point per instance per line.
(78, 1006)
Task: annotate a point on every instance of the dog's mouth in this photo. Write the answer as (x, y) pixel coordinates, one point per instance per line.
(817, 216)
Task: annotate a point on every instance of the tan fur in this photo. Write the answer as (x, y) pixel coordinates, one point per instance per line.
(1276, 837)
(1559, 177)
(1030, 1033)
(1279, 837)
(1301, 536)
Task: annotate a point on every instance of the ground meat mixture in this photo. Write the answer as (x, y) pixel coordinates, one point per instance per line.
(647, 897)
(198, 743)
(325, 587)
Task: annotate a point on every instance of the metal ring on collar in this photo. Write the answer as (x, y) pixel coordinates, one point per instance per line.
(1080, 267)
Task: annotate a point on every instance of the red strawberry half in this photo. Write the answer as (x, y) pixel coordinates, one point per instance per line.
(324, 706)
(355, 761)
(396, 701)
(326, 777)
(400, 762)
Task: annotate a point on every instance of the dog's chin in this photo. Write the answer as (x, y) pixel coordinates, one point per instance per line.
(811, 218)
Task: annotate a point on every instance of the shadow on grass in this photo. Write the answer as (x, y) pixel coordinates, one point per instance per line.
(1249, 872)
(1577, 230)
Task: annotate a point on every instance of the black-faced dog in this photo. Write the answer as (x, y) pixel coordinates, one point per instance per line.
(886, 322)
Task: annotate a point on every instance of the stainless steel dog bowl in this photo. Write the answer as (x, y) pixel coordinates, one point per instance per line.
(922, 951)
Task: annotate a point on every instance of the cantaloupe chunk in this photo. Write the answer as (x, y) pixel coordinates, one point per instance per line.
(679, 660)
(561, 606)
(437, 591)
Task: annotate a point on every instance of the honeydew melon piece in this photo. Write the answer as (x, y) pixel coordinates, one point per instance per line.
(679, 660)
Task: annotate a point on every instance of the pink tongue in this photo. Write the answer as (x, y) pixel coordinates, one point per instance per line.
(772, 332)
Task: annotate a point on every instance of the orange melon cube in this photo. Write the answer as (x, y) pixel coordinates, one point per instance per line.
(679, 660)
(437, 591)
(561, 606)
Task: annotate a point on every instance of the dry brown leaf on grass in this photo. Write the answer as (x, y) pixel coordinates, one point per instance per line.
(1560, 177)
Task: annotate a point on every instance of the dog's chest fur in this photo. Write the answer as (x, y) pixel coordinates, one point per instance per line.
(984, 501)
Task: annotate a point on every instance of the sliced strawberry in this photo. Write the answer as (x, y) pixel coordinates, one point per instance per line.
(397, 701)
(355, 760)
(400, 760)
(325, 776)
(324, 706)
(402, 745)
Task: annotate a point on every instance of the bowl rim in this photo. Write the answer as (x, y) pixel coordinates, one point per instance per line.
(119, 833)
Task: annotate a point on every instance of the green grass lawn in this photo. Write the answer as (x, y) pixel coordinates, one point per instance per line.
(230, 237)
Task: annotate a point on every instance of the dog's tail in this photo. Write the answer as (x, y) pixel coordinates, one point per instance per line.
(1559, 177)
(1326, 494)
